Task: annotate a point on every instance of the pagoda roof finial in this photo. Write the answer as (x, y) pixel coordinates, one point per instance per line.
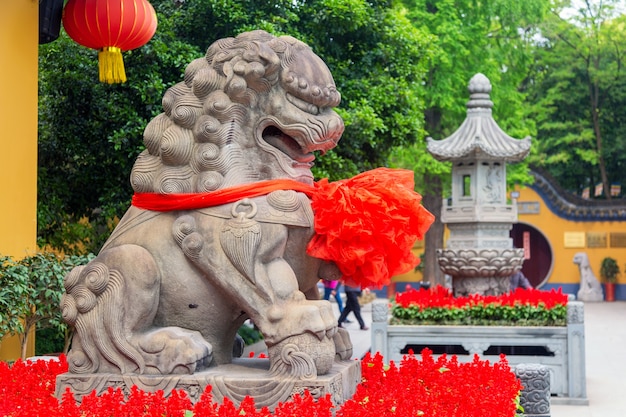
(479, 136)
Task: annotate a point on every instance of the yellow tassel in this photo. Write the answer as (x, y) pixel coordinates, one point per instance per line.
(111, 65)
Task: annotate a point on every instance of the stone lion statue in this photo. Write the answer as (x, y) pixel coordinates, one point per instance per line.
(174, 282)
(590, 287)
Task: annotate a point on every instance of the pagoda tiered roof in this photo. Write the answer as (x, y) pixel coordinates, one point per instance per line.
(479, 137)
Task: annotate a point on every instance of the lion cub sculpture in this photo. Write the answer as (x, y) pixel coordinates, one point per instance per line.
(175, 281)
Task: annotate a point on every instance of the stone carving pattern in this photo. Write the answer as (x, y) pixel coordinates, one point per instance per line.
(493, 186)
(485, 263)
(476, 348)
(535, 397)
(577, 352)
(169, 290)
(268, 391)
(464, 286)
(194, 391)
(575, 312)
(556, 348)
(469, 244)
(487, 229)
(315, 391)
(380, 311)
(398, 346)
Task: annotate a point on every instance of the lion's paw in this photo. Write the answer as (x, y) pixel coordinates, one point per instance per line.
(302, 356)
(296, 317)
(173, 350)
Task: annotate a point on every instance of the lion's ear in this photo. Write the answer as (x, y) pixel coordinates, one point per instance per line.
(270, 58)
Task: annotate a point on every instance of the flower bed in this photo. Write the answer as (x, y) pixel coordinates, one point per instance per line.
(529, 326)
(415, 387)
(518, 308)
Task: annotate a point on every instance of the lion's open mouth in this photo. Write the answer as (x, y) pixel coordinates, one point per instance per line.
(286, 144)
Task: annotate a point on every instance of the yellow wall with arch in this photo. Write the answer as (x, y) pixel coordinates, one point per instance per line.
(559, 233)
(19, 37)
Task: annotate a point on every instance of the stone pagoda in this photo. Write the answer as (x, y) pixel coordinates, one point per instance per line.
(479, 253)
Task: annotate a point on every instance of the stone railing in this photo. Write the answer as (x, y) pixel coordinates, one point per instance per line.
(560, 349)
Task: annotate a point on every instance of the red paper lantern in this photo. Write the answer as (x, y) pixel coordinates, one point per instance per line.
(111, 26)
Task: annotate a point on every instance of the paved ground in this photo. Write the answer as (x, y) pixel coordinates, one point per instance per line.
(605, 343)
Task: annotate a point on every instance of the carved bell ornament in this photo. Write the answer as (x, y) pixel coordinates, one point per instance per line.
(110, 26)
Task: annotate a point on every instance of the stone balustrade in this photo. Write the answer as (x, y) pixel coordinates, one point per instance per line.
(560, 349)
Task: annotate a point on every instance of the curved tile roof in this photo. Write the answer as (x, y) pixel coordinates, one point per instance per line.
(572, 207)
(479, 136)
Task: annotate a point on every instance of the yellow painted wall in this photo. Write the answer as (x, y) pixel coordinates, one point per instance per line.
(19, 34)
(554, 228)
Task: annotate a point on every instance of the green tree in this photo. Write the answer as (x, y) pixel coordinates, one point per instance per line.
(13, 288)
(578, 88)
(379, 60)
(493, 38)
(30, 294)
(90, 133)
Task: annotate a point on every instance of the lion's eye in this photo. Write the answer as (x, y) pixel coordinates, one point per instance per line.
(303, 105)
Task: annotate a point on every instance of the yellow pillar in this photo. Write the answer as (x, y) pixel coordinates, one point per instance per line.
(19, 37)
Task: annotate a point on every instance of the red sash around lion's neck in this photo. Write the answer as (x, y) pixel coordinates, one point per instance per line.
(366, 224)
(193, 201)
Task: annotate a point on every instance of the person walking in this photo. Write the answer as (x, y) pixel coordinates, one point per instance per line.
(352, 306)
(332, 288)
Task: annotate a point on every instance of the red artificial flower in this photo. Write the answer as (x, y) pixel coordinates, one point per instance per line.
(418, 386)
(439, 296)
(368, 225)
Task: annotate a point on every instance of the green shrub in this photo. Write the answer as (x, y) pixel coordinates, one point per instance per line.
(609, 270)
(30, 294)
(249, 334)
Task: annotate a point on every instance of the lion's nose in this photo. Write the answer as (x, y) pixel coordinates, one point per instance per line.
(335, 128)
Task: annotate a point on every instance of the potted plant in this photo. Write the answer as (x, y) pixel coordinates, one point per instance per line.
(609, 270)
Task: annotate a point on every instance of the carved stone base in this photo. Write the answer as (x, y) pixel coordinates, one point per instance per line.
(480, 262)
(237, 380)
(535, 397)
(464, 286)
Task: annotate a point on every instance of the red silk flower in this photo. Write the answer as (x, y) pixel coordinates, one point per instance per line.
(368, 225)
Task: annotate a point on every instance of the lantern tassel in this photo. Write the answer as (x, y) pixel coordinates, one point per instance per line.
(111, 65)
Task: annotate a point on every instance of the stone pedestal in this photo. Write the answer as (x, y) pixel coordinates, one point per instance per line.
(535, 397)
(235, 381)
